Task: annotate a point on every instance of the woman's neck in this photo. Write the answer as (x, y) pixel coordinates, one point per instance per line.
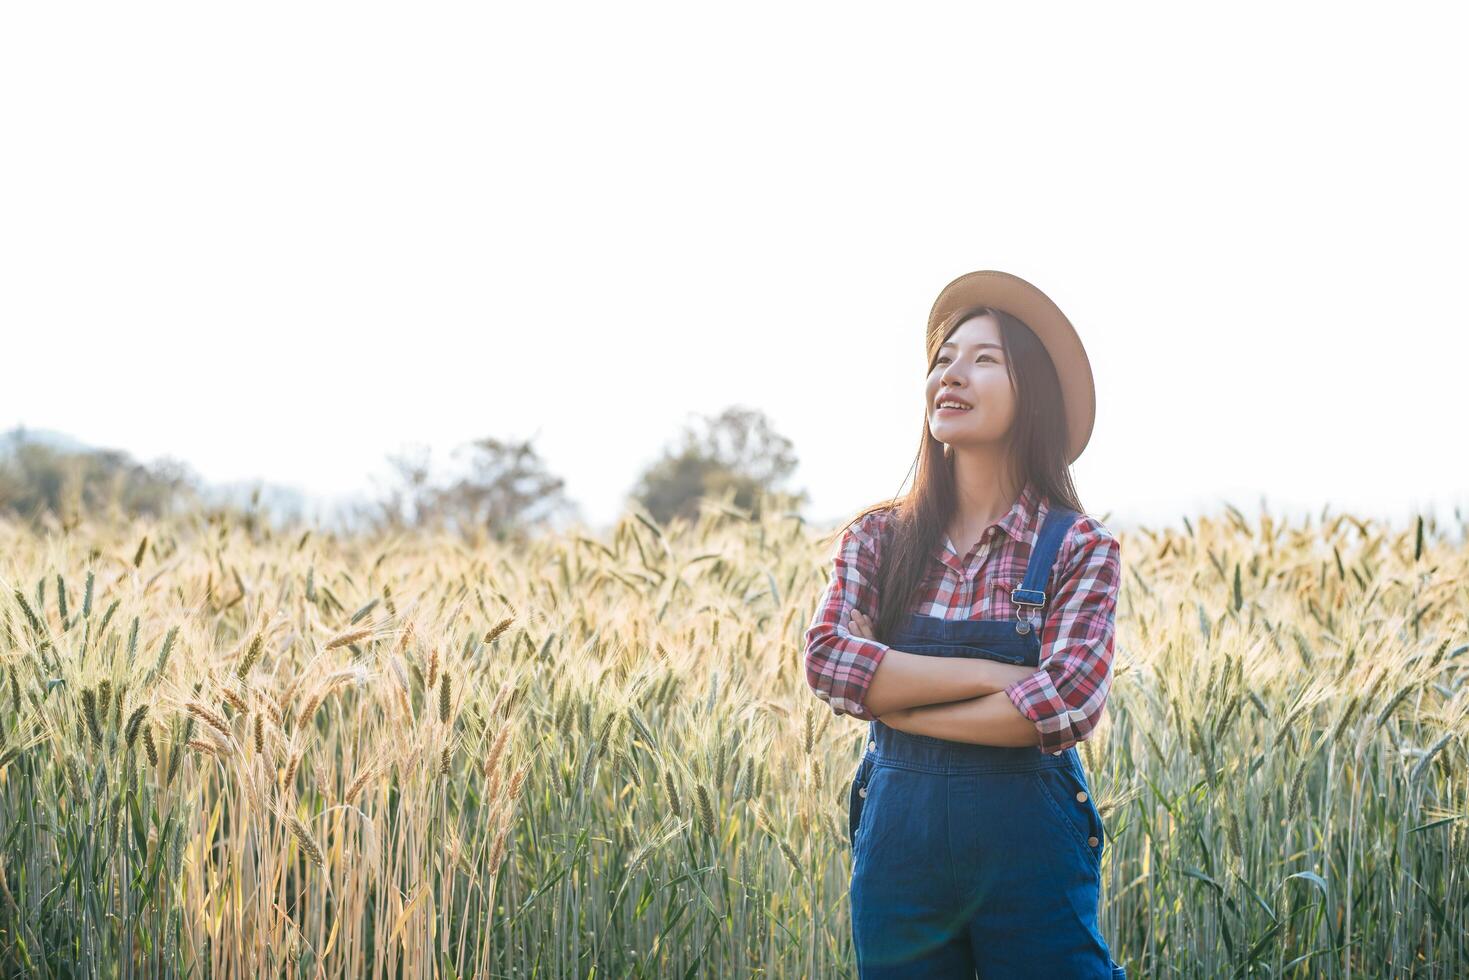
(984, 491)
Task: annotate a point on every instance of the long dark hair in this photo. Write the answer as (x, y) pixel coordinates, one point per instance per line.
(1038, 443)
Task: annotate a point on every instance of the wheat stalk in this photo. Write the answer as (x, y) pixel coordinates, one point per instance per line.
(292, 764)
(363, 778)
(209, 718)
(135, 721)
(498, 628)
(89, 713)
(207, 747)
(257, 644)
(344, 639)
(706, 809)
(235, 701)
(308, 843)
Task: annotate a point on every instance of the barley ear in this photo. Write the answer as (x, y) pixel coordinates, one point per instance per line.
(135, 721)
(308, 843)
(251, 655)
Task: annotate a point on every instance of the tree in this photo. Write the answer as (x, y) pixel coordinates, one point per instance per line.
(38, 478)
(505, 492)
(407, 500)
(736, 452)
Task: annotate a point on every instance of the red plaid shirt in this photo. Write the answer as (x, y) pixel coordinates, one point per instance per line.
(1065, 695)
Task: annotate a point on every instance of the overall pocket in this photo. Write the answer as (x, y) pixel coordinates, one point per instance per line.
(1071, 802)
(856, 799)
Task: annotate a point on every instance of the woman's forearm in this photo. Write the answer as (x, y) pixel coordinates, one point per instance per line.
(989, 720)
(907, 680)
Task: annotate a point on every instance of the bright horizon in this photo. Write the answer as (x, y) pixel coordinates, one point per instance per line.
(284, 242)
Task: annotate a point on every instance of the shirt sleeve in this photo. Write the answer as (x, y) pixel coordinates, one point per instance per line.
(839, 665)
(1066, 694)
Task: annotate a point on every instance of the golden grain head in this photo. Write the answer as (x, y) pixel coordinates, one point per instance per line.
(257, 644)
(496, 749)
(288, 779)
(345, 639)
(308, 843)
(518, 780)
(235, 701)
(207, 747)
(208, 717)
(498, 628)
(308, 710)
(363, 778)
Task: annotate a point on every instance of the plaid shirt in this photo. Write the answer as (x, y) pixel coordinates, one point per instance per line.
(1065, 695)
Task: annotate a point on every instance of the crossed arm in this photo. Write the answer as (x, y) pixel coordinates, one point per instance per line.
(969, 699)
(956, 698)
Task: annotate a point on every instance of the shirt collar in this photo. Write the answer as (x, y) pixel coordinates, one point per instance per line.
(1024, 517)
(1020, 522)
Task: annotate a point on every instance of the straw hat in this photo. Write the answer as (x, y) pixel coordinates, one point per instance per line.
(1033, 308)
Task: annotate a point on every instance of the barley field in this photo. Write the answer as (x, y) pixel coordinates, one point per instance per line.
(235, 752)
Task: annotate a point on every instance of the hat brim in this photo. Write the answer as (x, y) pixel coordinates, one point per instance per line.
(1035, 309)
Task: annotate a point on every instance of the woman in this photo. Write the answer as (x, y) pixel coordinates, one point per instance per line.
(970, 623)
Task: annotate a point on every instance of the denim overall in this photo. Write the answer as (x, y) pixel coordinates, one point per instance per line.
(977, 860)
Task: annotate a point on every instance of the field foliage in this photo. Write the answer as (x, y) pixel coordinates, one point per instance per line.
(235, 752)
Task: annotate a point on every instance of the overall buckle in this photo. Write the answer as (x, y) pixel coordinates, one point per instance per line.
(1023, 598)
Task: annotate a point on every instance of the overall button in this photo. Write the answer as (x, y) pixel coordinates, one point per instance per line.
(872, 746)
(1081, 797)
(1092, 841)
(862, 792)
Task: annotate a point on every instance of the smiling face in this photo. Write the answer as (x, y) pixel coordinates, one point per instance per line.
(971, 368)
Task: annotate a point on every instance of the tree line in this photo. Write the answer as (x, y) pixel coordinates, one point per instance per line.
(500, 487)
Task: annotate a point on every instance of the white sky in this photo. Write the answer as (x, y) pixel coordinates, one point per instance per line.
(284, 240)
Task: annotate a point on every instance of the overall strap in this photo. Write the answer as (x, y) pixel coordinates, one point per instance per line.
(1032, 591)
